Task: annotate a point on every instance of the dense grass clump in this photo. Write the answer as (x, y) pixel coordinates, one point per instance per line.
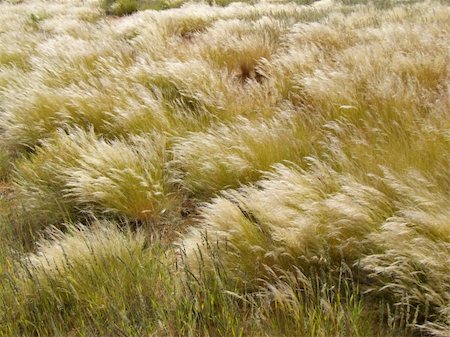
(101, 280)
(224, 169)
(324, 218)
(211, 161)
(77, 271)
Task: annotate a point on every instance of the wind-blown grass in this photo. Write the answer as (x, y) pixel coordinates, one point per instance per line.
(229, 155)
(80, 172)
(397, 235)
(101, 280)
(299, 153)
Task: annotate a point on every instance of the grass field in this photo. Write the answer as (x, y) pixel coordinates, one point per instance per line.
(219, 168)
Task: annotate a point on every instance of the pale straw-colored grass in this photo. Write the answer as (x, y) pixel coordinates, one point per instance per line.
(316, 137)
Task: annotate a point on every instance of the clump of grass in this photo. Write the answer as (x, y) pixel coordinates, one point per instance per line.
(119, 7)
(39, 181)
(192, 101)
(320, 305)
(323, 218)
(123, 178)
(14, 54)
(412, 268)
(31, 118)
(229, 155)
(80, 172)
(186, 96)
(82, 277)
(102, 280)
(188, 25)
(242, 50)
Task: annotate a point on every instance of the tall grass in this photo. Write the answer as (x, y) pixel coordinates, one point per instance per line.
(319, 218)
(101, 281)
(299, 152)
(229, 155)
(82, 173)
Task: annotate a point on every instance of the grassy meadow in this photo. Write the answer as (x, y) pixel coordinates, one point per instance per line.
(266, 169)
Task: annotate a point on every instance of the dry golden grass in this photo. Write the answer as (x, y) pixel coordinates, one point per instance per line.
(300, 140)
